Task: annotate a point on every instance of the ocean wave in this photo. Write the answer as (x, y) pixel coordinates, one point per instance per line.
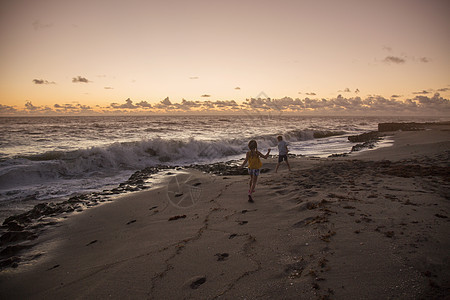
(304, 135)
(103, 161)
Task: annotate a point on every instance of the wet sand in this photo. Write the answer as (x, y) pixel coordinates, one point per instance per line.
(373, 225)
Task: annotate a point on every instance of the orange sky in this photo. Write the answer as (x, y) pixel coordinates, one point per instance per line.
(93, 55)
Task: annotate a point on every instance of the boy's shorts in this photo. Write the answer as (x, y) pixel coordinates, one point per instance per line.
(282, 157)
(254, 172)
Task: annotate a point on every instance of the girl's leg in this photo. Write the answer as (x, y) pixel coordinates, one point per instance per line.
(254, 179)
(250, 183)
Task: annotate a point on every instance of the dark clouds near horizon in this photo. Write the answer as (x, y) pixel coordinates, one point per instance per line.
(356, 105)
(420, 104)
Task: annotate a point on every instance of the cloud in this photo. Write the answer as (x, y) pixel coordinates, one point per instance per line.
(357, 91)
(144, 104)
(311, 94)
(205, 96)
(193, 77)
(72, 108)
(6, 109)
(423, 92)
(237, 88)
(424, 59)
(341, 105)
(387, 48)
(30, 107)
(164, 104)
(346, 90)
(38, 25)
(127, 105)
(394, 59)
(108, 88)
(444, 90)
(198, 106)
(226, 104)
(436, 102)
(187, 105)
(80, 79)
(372, 105)
(166, 101)
(42, 81)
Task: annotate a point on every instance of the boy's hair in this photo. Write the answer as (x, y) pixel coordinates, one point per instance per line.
(252, 145)
(280, 138)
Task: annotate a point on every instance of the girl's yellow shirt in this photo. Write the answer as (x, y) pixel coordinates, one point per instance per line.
(253, 161)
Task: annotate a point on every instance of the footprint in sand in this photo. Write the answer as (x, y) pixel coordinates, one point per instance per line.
(177, 217)
(197, 283)
(222, 256)
(92, 242)
(54, 267)
(131, 222)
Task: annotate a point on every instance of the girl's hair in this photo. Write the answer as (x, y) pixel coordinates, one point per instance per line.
(252, 145)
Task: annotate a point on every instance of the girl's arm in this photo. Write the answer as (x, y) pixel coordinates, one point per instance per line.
(264, 156)
(245, 161)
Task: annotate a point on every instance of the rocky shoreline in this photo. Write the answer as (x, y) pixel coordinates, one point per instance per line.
(19, 231)
(369, 139)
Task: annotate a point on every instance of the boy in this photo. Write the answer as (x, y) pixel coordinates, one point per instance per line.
(282, 151)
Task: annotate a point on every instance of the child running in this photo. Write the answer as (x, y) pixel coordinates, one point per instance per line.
(254, 164)
(282, 153)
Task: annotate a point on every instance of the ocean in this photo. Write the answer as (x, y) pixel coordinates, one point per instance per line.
(49, 159)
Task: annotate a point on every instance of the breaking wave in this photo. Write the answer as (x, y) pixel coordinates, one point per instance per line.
(117, 157)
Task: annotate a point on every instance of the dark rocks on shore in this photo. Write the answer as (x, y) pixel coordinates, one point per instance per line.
(224, 169)
(383, 127)
(18, 230)
(366, 140)
(365, 137)
(220, 169)
(369, 145)
(369, 139)
(412, 126)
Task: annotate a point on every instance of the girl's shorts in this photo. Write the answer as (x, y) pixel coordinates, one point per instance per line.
(254, 172)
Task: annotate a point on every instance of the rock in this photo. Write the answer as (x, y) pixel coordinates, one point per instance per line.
(14, 236)
(383, 127)
(358, 147)
(365, 137)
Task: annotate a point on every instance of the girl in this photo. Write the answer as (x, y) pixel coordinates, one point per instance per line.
(254, 164)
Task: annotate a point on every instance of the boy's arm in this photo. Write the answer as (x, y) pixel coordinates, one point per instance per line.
(245, 161)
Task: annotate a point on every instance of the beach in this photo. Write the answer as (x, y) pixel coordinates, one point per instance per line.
(371, 225)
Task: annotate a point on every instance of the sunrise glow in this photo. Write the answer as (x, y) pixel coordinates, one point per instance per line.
(322, 57)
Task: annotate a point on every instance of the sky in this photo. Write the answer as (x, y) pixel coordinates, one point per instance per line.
(318, 56)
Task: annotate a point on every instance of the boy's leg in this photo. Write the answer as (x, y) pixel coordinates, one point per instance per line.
(280, 160)
(287, 162)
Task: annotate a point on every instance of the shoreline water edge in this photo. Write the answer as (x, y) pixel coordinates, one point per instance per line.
(19, 232)
(139, 180)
